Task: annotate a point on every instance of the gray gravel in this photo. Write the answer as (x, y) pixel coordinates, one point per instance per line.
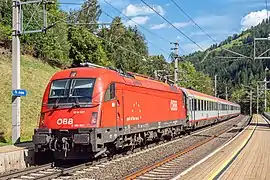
(120, 167)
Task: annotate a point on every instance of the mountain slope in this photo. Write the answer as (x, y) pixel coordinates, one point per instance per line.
(234, 73)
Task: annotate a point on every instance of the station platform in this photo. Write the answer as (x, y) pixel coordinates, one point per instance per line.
(16, 157)
(17, 147)
(246, 156)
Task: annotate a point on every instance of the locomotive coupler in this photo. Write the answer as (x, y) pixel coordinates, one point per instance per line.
(65, 145)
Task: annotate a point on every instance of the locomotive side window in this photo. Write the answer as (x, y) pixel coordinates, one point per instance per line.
(110, 92)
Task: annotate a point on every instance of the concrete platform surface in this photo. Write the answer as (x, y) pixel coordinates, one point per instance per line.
(254, 161)
(247, 156)
(17, 147)
(16, 157)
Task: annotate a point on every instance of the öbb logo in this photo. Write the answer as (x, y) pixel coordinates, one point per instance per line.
(64, 121)
(173, 105)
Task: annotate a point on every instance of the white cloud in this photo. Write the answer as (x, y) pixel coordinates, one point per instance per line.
(253, 19)
(165, 25)
(159, 26)
(190, 47)
(213, 20)
(139, 20)
(116, 3)
(139, 9)
(214, 32)
(181, 24)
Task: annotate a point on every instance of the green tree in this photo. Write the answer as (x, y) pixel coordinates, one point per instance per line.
(190, 78)
(85, 47)
(52, 46)
(5, 23)
(125, 47)
(88, 14)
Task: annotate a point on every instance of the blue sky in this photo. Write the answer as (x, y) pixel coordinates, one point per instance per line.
(219, 18)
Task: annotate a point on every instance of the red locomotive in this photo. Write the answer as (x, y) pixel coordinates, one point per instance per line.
(91, 111)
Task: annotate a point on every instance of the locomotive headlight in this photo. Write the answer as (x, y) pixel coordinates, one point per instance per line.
(94, 118)
(41, 120)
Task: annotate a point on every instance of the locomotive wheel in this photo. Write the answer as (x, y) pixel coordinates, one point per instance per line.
(42, 157)
(111, 150)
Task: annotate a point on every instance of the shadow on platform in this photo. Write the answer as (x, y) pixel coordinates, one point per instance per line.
(260, 125)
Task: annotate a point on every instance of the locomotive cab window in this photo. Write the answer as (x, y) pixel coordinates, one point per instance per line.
(71, 90)
(110, 92)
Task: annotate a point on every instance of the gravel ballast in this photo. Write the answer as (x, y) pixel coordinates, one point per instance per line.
(123, 166)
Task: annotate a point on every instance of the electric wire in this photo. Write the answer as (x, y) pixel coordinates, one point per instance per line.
(206, 32)
(131, 20)
(192, 20)
(165, 19)
(141, 27)
(104, 39)
(161, 37)
(266, 5)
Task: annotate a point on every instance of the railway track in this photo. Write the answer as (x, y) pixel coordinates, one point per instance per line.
(42, 172)
(47, 171)
(168, 167)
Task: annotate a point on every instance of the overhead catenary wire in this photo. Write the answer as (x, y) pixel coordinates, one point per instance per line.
(159, 36)
(266, 6)
(192, 20)
(115, 44)
(233, 52)
(165, 19)
(141, 27)
(111, 18)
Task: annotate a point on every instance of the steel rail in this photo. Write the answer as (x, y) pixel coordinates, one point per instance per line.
(47, 171)
(172, 157)
(24, 172)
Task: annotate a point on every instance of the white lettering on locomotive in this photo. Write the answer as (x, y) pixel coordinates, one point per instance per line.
(173, 105)
(78, 112)
(64, 121)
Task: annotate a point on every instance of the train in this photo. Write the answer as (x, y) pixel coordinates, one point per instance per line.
(94, 111)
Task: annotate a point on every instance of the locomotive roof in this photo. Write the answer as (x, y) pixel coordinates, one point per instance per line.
(134, 80)
(202, 96)
(81, 72)
(131, 79)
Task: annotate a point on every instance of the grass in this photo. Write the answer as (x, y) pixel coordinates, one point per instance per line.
(236, 42)
(34, 78)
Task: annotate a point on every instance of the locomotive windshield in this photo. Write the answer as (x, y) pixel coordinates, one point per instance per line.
(76, 91)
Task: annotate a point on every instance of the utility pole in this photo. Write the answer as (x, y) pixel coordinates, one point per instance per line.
(16, 101)
(262, 55)
(176, 52)
(265, 88)
(257, 99)
(226, 92)
(18, 29)
(250, 103)
(215, 85)
(156, 75)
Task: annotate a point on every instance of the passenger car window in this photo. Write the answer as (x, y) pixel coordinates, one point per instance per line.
(110, 92)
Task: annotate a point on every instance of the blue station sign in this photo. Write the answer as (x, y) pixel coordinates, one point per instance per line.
(19, 92)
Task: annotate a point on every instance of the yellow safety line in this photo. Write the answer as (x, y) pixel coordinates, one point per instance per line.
(221, 168)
